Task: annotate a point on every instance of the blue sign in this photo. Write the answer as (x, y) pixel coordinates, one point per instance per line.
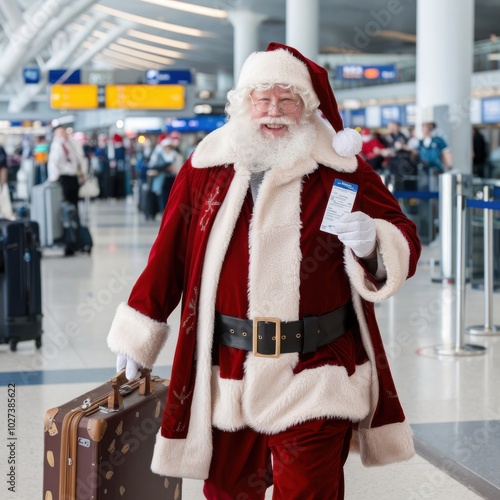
(64, 76)
(31, 75)
(358, 117)
(386, 73)
(491, 110)
(168, 76)
(410, 114)
(390, 114)
(201, 123)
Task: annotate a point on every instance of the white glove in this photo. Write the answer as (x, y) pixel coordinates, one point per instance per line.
(357, 231)
(131, 367)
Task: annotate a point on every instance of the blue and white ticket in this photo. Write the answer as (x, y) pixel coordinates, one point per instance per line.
(340, 203)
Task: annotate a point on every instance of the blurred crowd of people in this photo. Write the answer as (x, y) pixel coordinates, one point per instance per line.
(403, 154)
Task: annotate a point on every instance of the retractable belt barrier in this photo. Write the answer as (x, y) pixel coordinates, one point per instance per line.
(421, 195)
(488, 205)
(460, 347)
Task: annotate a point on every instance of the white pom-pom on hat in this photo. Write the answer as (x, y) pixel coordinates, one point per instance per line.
(347, 142)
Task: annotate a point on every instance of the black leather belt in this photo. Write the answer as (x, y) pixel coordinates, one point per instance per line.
(268, 337)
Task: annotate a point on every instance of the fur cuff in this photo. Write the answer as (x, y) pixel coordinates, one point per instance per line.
(386, 445)
(136, 336)
(395, 253)
(226, 402)
(171, 457)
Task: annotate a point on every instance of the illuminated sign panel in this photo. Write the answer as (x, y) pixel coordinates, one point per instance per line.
(73, 97)
(31, 75)
(60, 76)
(491, 110)
(359, 72)
(168, 76)
(145, 96)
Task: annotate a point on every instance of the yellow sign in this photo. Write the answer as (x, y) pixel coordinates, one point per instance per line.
(73, 96)
(145, 96)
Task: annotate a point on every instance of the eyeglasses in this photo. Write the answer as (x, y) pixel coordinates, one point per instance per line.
(285, 106)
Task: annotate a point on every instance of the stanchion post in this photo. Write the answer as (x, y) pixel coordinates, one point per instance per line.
(447, 224)
(460, 348)
(488, 328)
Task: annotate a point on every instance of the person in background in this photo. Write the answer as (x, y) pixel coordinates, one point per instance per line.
(118, 165)
(395, 139)
(479, 153)
(41, 156)
(5, 201)
(64, 166)
(4, 169)
(413, 140)
(433, 150)
(167, 161)
(102, 170)
(278, 354)
(372, 149)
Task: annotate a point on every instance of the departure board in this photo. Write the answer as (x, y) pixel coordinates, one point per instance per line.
(145, 96)
(79, 96)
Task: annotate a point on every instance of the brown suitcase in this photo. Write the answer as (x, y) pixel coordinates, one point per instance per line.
(99, 446)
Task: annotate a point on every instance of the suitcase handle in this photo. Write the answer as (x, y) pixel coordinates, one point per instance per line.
(146, 387)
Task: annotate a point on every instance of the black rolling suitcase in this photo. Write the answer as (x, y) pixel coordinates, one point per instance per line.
(20, 283)
(76, 236)
(149, 204)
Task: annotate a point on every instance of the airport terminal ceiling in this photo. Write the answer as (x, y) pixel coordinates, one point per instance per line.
(123, 33)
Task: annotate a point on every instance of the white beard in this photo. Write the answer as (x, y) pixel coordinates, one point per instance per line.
(261, 152)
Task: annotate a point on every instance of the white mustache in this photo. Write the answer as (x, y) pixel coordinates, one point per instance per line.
(282, 120)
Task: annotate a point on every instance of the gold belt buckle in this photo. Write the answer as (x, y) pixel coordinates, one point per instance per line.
(277, 338)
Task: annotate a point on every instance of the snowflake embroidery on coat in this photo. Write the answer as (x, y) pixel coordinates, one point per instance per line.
(182, 396)
(180, 427)
(209, 210)
(188, 323)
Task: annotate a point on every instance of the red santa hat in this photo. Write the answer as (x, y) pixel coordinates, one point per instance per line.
(176, 137)
(286, 65)
(117, 140)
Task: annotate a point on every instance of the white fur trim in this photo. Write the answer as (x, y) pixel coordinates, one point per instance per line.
(385, 445)
(274, 398)
(367, 344)
(347, 142)
(277, 66)
(191, 457)
(276, 218)
(226, 402)
(171, 457)
(395, 253)
(216, 149)
(136, 335)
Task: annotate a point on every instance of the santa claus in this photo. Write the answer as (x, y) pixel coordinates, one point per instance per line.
(278, 239)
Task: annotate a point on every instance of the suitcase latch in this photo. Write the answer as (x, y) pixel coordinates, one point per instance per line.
(86, 404)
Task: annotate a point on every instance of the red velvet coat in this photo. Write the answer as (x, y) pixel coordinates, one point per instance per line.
(205, 252)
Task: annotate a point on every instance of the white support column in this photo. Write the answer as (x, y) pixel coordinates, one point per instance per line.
(444, 70)
(246, 40)
(224, 83)
(12, 13)
(302, 26)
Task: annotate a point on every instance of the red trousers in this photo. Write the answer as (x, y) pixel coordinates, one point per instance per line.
(307, 462)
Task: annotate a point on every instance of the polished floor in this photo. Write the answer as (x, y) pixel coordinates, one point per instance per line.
(447, 398)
